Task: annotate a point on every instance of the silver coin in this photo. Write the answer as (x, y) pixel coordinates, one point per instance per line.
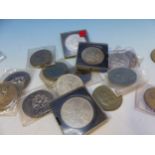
(122, 76)
(67, 83)
(133, 60)
(92, 55)
(72, 42)
(77, 112)
(117, 60)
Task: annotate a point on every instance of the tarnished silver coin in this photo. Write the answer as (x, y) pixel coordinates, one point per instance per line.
(67, 83)
(117, 60)
(122, 76)
(72, 42)
(37, 103)
(92, 55)
(77, 112)
(133, 60)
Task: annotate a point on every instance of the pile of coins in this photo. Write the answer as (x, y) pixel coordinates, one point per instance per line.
(65, 92)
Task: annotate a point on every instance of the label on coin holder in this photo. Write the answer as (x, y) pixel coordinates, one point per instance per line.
(71, 40)
(145, 99)
(92, 56)
(41, 57)
(77, 113)
(35, 104)
(121, 83)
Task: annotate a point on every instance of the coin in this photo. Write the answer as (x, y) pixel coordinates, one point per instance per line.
(54, 71)
(67, 83)
(72, 42)
(41, 58)
(37, 104)
(122, 76)
(8, 95)
(153, 55)
(133, 60)
(20, 78)
(117, 60)
(92, 55)
(77, 112)
(149, 98)
(105, 97)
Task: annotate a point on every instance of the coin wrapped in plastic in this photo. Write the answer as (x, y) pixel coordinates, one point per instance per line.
(51, 73)
(8, 98)
(70, 42)
(123, 58)
(124, 80)
(92, 56)
(77, 112)
(41, 57)
(36, 104)
(145, 99)
(106, 98)
(67, 83)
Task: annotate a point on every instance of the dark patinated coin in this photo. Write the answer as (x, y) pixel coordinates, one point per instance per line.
(21, 79)
(153, 55)
(41, 58)
(149, 98)
(53, 72)
(37, 104)
(122, 76)
(105, 97)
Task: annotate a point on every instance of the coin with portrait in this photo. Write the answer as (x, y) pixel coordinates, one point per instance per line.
(92, 56)
(67, 83)
(77, 112)
(8, 95)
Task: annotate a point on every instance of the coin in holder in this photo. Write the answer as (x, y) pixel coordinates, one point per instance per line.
(70, 42)
(92, 56)
(106, 98)
(77, 113)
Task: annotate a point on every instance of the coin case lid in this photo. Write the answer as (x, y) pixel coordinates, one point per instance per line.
(82, 65)
(68, 53)
(99, 115)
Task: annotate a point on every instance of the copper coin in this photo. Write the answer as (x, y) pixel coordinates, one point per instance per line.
(8, 95)
(149, 98)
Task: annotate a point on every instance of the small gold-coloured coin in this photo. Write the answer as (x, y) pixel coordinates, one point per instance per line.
(153, 55)
(149, 97)
(8, 94)
(105, 97)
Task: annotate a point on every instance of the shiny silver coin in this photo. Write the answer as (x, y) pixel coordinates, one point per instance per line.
(92, 56)
(72, 42)
(117, 60)
(122, 76)
(37, 103)
(77, 112)
(67, 83)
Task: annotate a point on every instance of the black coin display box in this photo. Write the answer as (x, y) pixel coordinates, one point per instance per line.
(67, 52)
(98, 119)
(81, 65)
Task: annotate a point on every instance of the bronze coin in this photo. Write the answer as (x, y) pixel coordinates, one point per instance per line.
(149, 98)
(153, 55)
(8, 94)
(105, 97)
